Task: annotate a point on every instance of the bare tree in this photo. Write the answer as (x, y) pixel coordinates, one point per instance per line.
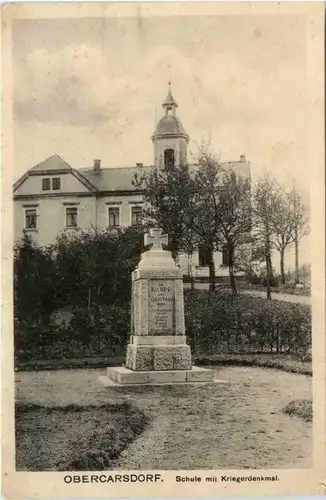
(289, 221)
(265, 201)
(207, 203)
(282, 223)
(300, 215)
(235, 216)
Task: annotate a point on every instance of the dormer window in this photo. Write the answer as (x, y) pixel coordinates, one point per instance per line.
(56, 183)
(46, 184)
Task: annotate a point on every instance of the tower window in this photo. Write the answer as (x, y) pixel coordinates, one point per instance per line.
(168, 157)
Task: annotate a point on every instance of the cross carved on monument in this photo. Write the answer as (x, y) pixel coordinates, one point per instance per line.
(156, 239)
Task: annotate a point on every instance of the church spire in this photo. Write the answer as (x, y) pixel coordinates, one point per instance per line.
(169, 103)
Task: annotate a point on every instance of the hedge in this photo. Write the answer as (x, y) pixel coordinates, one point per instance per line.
(220, 322)
(99, 332)
(215, 323)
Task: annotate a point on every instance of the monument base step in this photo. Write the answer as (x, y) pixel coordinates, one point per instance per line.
(120, 375)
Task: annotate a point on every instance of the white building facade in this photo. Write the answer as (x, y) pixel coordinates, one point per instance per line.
(54, 198)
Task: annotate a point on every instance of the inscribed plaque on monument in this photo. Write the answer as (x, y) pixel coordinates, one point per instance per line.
(161, 307)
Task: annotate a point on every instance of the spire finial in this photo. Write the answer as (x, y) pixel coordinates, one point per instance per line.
(169, 103)
(169, 82)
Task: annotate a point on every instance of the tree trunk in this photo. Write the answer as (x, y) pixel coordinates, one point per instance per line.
(174, 247)
(177, 258)
(212, 276)
(231, 271)
(296, 254)
(268, 271)
(282, 266)
(232, 281)
(191, 277)
(89, 298)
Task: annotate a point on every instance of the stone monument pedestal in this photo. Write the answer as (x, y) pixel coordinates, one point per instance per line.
(158, 352)
(125, 376)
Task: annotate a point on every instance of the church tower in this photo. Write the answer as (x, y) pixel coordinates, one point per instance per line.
(170, 139)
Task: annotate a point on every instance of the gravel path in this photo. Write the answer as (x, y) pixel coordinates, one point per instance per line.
(285, 297)
(235, 425)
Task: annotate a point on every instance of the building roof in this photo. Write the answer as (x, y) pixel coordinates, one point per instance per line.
(52, 166)
(169, 125)
(113, 179)
(54, 162)
(121, 178)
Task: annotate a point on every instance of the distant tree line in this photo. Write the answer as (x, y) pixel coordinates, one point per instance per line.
(84, 271)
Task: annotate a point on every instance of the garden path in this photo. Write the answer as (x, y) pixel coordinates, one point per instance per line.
(234, 425)
(286, 297)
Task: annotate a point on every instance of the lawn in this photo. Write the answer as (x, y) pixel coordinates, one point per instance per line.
(74, 437)
(239, 424)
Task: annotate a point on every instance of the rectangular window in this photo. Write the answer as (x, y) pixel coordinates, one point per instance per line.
(71, 217)
(114, 217)
(30, 219)
(46, 184)
(56, 183)
(225, 256)
(204, 256)
(136, 215)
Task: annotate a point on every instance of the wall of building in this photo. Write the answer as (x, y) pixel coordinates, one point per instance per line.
(197, 270)
(51, 216)
(241, 167)
(178, 144)
(125, 204)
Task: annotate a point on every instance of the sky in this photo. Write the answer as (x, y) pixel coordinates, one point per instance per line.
(93, 88)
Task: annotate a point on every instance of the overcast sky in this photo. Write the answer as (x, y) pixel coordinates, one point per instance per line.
(93, 88)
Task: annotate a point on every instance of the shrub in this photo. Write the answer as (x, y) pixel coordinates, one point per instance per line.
(301, 408)
(98, 332)
(220, 322)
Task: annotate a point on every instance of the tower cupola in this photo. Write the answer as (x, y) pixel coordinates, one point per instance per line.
(169, 104)
(170, 139)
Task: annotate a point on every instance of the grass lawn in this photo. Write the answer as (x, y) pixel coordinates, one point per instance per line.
(74, 437)
(240, 424)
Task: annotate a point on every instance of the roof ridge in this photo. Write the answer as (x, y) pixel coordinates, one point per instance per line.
(55, 155)
(90, 169)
